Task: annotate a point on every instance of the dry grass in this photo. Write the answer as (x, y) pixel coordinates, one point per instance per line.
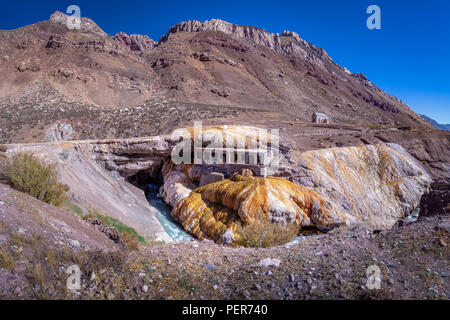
(6, 260)
(29, 174)
(263, 234)
(131, 240)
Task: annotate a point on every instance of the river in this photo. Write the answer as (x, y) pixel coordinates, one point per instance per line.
(173, 228)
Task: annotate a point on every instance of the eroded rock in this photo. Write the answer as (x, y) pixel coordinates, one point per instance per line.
(215, 209)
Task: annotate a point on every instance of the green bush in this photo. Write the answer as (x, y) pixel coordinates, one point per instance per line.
(264, 233)
(3, 148)
(29, 174)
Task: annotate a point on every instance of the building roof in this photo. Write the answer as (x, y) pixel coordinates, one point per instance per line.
(320, 114)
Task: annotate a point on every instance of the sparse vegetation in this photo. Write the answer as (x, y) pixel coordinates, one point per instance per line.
(3, 148)
(265, 234)
(73, 207)
(6, 260)
(29, 174)
(184, 283)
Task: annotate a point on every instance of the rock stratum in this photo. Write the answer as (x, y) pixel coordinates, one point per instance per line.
(372, 185)
(216, 210)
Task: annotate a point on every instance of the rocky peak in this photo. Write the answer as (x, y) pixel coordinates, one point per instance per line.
(135, 42)
(87, 25)
(296, 45)
(258, 35)
(294, 35)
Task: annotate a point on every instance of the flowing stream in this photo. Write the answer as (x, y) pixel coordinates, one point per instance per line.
(173, 228)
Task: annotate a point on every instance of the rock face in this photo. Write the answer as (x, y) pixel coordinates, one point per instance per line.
(60, 131)
(287, 43)
(135, 42)
(177, 184)
(437, 200)
(377, 184)
(92, 186)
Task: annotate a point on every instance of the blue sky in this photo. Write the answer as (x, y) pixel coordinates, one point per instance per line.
(409, 57)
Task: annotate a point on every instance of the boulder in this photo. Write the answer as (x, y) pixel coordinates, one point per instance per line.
(269, 262)
(227, 237)
(444, 227)
(111, 232)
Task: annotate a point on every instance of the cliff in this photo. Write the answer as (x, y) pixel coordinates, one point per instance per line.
(287, 43)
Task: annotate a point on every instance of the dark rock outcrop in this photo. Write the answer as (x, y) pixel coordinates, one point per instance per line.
(135, 42)
(437, 201)
(111, 232)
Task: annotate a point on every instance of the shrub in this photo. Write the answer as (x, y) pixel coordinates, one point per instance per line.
(131, 240)
(263, 234)
(27, 173)
(3, 148)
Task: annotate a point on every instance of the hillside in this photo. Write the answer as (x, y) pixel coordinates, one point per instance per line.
(37, 249)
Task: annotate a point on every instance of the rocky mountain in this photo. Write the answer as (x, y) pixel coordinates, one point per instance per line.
(435, 124)
(208, 70)
(135, 42)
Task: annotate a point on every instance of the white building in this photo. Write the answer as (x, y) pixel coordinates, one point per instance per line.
(319, 117)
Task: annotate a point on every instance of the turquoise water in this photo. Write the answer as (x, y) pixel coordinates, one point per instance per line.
(173, 228)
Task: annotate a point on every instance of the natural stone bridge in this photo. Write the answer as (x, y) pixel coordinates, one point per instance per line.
(375, 185)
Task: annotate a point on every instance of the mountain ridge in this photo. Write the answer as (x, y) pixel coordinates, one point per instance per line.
(213, 63)
(436, 124)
